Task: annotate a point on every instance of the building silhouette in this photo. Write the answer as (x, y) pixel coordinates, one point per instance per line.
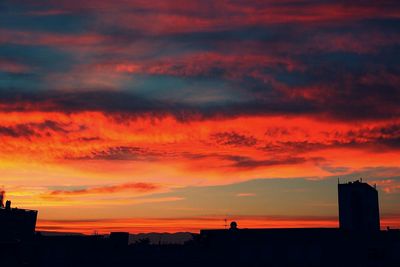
(357, 243)
(358, 207)
(119, 239)
(15, 223)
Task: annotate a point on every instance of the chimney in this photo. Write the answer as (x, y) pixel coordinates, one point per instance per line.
(8, 205)
(2, 193)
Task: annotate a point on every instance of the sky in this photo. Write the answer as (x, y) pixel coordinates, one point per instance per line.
(173, 116)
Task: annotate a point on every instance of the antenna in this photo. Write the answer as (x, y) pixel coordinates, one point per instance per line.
(159, 240)
(225, 223)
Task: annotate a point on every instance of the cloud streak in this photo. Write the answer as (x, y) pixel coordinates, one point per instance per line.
(135, 187)
(34, 129)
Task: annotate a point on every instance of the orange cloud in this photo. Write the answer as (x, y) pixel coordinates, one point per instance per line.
(94, 159)
(84, 139)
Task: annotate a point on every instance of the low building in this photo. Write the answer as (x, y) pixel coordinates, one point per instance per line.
(357, 242)
(16, 224)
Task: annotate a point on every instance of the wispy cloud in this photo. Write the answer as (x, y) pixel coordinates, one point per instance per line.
(389, 186)
(135, 187)
(245, 194)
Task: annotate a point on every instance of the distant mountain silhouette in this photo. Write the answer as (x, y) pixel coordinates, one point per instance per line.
(162, 238)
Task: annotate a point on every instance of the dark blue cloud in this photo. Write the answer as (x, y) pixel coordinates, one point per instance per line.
(334, 57)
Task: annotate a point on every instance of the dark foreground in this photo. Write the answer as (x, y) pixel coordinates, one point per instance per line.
(279, 247)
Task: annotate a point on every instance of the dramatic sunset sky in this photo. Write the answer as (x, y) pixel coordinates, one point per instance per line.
(173, 115)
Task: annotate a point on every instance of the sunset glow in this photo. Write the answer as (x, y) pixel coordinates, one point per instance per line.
(158, 116)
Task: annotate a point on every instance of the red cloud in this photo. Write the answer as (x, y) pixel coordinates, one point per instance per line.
(51, 39)
(13, 67)
(232, 66)
(138, 187)
(177, 17)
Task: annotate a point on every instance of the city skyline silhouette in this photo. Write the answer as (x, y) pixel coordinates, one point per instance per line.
(203, 132)
(358, 241)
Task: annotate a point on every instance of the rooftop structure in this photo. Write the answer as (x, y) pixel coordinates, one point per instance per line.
(16, 224)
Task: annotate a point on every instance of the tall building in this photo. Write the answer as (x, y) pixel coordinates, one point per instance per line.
(358, 207)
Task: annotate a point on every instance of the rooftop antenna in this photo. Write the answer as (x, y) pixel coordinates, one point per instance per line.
(225, 223)
(159, 240)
